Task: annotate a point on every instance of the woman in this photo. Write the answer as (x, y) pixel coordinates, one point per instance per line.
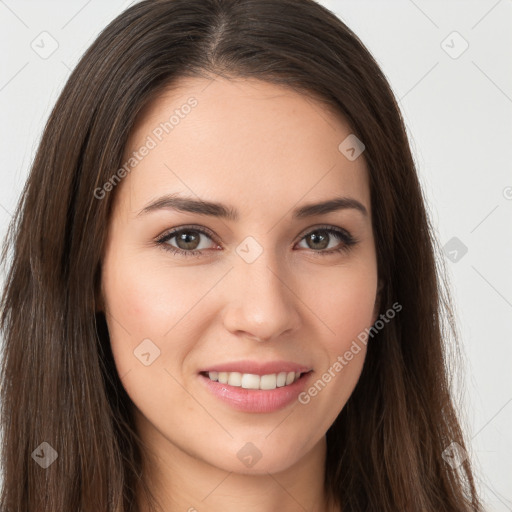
(223, 291)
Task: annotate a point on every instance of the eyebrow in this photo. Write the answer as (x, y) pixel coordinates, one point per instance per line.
(202, 207)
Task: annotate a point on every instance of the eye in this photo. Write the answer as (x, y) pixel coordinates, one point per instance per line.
(188, 240)
(321, 237)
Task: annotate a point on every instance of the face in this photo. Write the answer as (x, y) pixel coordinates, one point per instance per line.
(265, 291)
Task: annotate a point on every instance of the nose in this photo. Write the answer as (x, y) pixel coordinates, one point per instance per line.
(260, 300)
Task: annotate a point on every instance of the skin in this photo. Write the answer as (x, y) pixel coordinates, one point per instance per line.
(264, 150)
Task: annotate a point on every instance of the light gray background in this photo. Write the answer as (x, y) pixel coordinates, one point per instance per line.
(458, 113)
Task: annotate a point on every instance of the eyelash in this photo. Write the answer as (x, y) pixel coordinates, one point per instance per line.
(348, 241)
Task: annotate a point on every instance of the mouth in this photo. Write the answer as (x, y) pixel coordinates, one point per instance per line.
(252, 381)
(253, 393)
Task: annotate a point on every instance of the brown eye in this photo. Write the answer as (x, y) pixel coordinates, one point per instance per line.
(187, 241)
(320, 240)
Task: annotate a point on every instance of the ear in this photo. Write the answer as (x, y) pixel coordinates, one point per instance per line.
(378, 300)
(99, 306)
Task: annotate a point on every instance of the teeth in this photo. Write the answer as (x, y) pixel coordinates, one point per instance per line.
(250, 381)
(269, 381)
(235, 379)
(290, 378)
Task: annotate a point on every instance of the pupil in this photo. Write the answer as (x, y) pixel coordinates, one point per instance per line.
(323, 238)
(184, 237)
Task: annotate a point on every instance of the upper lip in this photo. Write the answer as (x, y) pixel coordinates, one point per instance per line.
(258, 367)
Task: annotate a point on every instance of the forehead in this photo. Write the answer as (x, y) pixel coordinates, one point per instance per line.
(245, 142)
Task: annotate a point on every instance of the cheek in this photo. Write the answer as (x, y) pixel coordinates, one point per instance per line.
(149, 300)
(148, 310)
(140, 306)
(144, 296)
(348, 316)
(344, 300)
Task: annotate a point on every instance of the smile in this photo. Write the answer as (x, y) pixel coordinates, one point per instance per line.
(248, 392)
(252, 381)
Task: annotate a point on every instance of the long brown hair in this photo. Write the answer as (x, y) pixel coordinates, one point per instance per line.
(59, 383)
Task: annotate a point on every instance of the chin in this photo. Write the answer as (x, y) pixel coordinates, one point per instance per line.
(259, 456)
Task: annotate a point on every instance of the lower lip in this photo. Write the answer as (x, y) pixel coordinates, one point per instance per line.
(256, 400)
